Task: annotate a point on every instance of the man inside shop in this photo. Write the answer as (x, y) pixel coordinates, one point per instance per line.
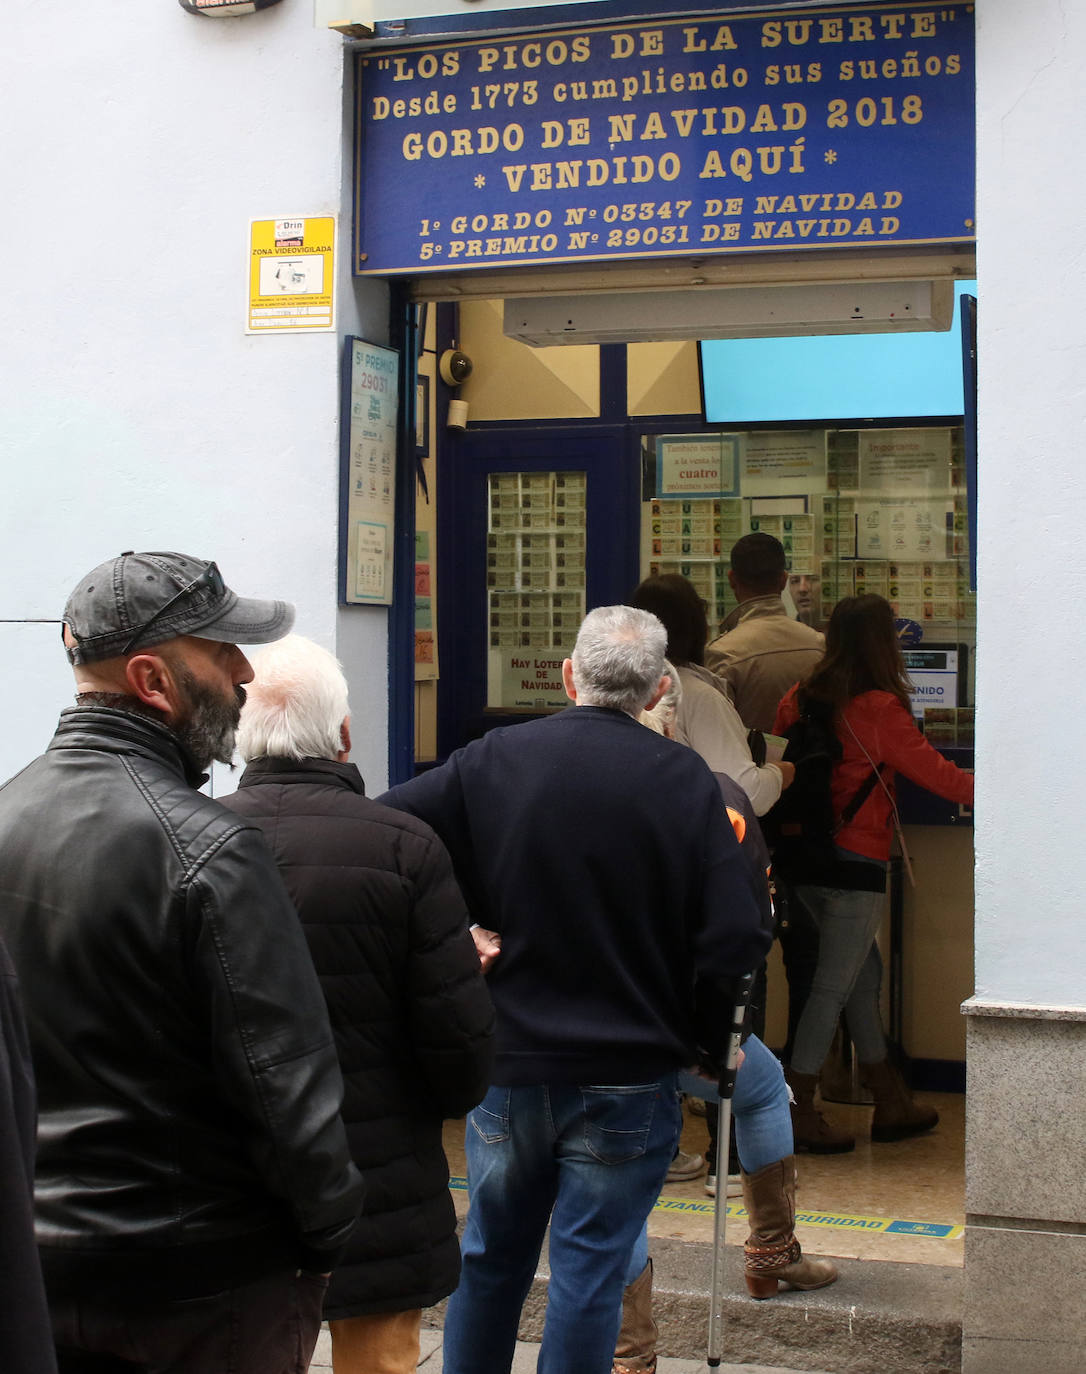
(804, 589)
(761, 651)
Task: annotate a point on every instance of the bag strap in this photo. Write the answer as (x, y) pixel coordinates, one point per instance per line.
(876, 777)
(863, 792)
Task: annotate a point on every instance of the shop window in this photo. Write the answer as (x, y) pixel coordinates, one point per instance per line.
(857, 510)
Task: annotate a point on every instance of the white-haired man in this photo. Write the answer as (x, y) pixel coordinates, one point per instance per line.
(193, 1183)
(388, 931)
(602, 855)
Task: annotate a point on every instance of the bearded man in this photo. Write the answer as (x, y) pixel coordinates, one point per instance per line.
(193, 1184)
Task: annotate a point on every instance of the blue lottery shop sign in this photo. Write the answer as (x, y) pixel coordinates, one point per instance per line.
(828, 128)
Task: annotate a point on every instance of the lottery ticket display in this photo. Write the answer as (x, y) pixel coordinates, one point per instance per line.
(888, 516)
(535, 577)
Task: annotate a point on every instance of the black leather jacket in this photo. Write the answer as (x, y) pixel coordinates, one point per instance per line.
(189, 1129)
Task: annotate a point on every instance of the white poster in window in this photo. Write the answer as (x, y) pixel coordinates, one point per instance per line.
(788, 458)
(693, 465)
(905, 460)
(934, 677)
(371, 472)
(906, 528)
(527, 679)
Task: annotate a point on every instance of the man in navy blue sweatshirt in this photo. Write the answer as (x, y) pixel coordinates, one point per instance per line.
(601, 854)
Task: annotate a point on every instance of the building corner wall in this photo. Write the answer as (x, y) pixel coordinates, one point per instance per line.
(1025, 1242)
(1025, 1253)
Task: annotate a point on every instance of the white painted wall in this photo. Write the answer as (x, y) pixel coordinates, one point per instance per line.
(1031, 661)
(136, 413)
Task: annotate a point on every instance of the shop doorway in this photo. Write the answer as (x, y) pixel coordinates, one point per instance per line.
(509, 511)
(536, 526)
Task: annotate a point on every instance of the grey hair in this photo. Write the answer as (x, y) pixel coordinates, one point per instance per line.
(618, 659)
(296, 704)
(661, 717)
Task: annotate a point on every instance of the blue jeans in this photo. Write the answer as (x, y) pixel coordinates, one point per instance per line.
(763, 1121)
(591, 1159)
(848, 976)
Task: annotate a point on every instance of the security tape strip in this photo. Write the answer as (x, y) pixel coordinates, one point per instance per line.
(833, 1221)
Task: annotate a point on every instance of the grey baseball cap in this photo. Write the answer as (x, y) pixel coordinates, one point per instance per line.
(142, 599)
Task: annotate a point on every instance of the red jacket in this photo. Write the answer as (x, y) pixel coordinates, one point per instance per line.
(887, 731)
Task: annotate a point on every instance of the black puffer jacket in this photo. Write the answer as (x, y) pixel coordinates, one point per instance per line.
(412, 1017)
(188, 1092)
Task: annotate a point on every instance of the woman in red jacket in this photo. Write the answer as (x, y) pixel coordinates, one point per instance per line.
(863, 681)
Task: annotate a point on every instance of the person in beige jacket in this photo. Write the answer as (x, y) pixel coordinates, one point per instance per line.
(760, 651)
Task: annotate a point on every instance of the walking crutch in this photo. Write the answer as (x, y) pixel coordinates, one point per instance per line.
(723, 1131)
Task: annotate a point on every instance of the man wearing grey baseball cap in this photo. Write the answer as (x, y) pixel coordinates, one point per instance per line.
(193, 1185)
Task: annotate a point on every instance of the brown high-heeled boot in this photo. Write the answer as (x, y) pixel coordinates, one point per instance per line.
(773, 1254)
(635, 1350)
(897, 1116)
(810, 1129)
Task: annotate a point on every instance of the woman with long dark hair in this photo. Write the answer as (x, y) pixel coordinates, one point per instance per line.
(706, 721)
(863, 686)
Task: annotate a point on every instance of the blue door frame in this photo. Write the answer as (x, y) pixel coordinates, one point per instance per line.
(612, 512)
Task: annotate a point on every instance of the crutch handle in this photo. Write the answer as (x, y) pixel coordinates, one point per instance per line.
(727, 1087)
(726, 1082)
(743, 987)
